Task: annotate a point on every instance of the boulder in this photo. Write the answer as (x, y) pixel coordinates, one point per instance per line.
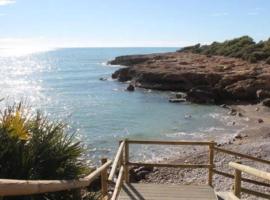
(139, 173)
(180, 95)
(201, 96)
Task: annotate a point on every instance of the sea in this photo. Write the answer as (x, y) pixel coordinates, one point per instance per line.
(65, 84)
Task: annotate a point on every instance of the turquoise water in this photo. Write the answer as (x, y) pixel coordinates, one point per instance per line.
(64, 84)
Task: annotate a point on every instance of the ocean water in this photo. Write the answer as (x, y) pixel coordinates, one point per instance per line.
(64, 84)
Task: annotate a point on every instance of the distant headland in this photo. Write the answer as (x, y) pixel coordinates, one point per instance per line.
(233, 71)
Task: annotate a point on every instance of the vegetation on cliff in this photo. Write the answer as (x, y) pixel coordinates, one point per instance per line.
(243, 47)
(32, 147)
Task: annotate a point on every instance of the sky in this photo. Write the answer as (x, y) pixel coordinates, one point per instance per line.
(130, 23)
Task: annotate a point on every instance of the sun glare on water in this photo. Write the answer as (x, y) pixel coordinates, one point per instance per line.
(21, 51)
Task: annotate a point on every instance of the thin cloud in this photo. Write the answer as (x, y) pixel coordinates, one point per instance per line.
(253, 13)
(6, 2)
(219, 14)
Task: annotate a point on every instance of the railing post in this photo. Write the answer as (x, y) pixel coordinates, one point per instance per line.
(126, 160)
(211, 163)
(104, 180)
(121, 157)
(237, 182)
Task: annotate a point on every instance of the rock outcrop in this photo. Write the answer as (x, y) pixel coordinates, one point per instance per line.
(214, 79)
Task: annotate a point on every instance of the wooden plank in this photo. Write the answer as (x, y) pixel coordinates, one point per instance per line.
(162, 142)
(250, 170)
(242, 155)
(169, 165)
(116, 160)
(11, 187)
(166, 192)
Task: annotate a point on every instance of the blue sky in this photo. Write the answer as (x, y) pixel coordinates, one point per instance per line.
(130, 22)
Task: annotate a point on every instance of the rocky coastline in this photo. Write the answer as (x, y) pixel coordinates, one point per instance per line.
(242, 87)
(204, 79)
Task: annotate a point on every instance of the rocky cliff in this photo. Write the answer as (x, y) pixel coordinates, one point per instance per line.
(205, 79)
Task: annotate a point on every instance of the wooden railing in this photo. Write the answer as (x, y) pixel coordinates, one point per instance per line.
(241, 156)
(122, 161)
(118, 162)
(119, 172)
(11, 187)
(209, 165)
(239, 169)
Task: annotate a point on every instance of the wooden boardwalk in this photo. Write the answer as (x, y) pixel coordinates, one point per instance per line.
(166, 192)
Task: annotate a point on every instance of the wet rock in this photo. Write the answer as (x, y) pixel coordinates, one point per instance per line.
(122, 75)
(180, 96)
(266, 102)
(130, 88)
(201, 96)
(224, 106)
(262, 94)
(177, 100)
(103, 79)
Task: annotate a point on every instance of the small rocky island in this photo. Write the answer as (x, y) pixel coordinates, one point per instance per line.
(233, 71)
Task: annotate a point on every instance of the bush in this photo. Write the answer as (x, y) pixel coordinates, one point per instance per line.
(32, 147)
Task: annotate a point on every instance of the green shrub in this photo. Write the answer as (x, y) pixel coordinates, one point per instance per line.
(243, 47)
(32, 147)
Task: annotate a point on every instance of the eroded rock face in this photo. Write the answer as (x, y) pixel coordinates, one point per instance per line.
(225, 78)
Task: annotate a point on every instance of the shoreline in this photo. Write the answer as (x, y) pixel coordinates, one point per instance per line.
(254, 141)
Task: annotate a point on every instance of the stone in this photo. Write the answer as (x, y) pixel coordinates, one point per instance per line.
(238, 136)
(240, 114)
(130, 88)
(260, 121)
(233, 112)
